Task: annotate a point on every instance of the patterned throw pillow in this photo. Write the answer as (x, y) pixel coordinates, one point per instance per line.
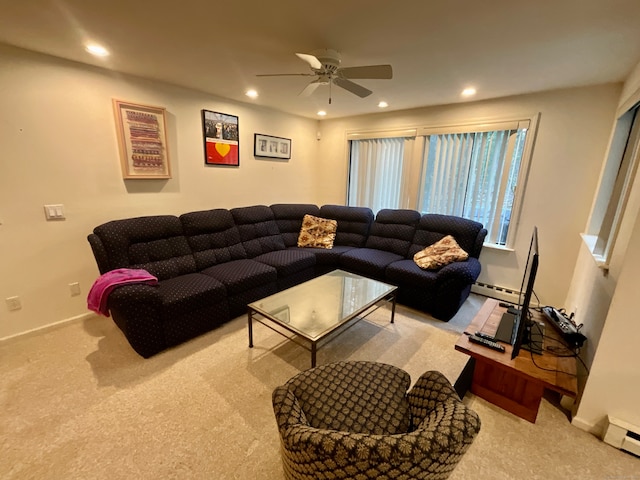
(317, 232)
(439, 254)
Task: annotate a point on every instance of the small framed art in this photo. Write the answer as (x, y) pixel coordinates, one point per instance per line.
(271, 147)
(142, 138)
(221, 139)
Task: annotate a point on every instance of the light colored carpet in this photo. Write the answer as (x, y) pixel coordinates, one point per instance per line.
(77, 403)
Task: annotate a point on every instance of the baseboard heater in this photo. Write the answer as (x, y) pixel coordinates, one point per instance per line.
(622, 435)
(494, 291)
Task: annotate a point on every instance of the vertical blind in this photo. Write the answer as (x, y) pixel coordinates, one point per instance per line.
(473, 175)
(375, 173)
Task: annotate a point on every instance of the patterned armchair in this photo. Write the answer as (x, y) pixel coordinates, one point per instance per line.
(356, 420)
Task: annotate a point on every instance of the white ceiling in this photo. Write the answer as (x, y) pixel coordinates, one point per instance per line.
(436, 48)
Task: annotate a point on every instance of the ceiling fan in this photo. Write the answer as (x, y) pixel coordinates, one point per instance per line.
(325, 65)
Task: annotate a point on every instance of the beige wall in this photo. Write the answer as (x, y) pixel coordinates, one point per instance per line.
(58, 145)
(607, 305)
(571, 142)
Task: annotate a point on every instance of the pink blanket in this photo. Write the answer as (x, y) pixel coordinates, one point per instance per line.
(102, 287)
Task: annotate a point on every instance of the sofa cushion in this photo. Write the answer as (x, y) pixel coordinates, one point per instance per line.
(242, 275)
(317, 232)
(406, 272)
(190, 292)
(434, 227)
(441, 253)
(393, 231)
(258, 230)
(353, 223)
(289, 261)
(327, 256)
(213, 237)
(289, 216)
(156, 244)
(368, 262)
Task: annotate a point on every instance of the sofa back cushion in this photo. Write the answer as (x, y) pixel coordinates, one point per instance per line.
(213, 237)
(434, 227)
(155, 243)
(353, 224)
(258, 230)
(393, 231)
(289, 217)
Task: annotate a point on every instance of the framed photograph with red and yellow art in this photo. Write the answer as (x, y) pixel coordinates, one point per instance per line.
(221, 139)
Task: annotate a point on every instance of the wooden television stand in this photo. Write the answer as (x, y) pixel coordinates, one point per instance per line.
(515, 385)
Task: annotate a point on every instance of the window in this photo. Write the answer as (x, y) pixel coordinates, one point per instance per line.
(476, 171)
(474, 175)
(615, 186)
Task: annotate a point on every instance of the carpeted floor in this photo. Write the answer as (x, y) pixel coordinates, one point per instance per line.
(76, 402)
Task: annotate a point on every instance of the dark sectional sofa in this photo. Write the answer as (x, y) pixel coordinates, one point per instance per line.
(211, 264)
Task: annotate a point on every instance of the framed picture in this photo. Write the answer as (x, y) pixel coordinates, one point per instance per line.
(271, 147)
(142, 138)
(221, 139)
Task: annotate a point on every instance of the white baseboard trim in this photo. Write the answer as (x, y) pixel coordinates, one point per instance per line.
(46, 328)
(592, 428)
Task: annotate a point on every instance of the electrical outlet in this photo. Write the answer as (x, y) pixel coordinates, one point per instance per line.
(74, 288)
(13, 303)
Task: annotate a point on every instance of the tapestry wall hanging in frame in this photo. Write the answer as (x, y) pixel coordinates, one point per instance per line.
(221, 139)
(142, 138)
(271, 147)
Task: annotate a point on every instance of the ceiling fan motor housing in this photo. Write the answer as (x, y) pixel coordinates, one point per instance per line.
(330, 60)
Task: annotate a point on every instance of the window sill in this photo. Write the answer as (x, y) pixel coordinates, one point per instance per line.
(500, 248)
(590, 242)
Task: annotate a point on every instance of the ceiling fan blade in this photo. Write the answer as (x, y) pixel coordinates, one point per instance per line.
(352, 87)
(311, 60)
(370, 71)
(285, 75)
(309, 89)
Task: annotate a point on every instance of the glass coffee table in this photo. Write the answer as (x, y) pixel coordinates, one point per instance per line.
(318, 310)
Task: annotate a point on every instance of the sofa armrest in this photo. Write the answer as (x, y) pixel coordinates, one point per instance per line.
(431, 389)
(137, 310)
(465, 272)
(99, 252)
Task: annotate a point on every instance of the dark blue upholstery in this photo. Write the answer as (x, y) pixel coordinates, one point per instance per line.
(219, 253)
(211, 264)
(353, 224)
(262, 240)
(289, 219)
(388, 241)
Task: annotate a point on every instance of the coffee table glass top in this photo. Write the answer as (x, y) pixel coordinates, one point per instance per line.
(315, 308)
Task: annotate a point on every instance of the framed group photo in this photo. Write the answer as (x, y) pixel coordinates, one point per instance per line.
(271, 147)
(221, 139)
(142, 138)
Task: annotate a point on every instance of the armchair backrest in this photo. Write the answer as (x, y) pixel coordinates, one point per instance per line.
(155, 243)
(213, 237)
(393, 231)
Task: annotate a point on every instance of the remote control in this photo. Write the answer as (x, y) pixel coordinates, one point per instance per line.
(487, 343)
(485, 336)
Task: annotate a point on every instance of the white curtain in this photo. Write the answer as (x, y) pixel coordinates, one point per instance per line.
(375, 173)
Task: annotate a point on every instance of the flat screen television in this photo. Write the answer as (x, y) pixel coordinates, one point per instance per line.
(516, 326)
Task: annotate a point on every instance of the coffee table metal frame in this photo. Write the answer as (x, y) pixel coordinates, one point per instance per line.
(273, 322)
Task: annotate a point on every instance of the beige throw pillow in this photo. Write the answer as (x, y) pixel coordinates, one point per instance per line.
(317, 232)
(439, 254)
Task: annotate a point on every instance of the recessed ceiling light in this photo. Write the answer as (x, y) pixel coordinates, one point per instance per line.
(469, 91)
(97, 50)
(251, 93)
(383, 104)
(322, 113)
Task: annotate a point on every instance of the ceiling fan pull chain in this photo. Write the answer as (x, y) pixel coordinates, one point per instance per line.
(330, 82)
